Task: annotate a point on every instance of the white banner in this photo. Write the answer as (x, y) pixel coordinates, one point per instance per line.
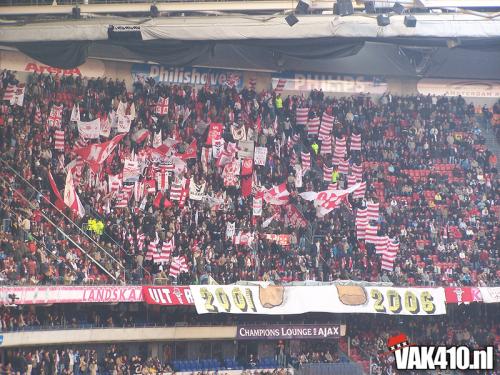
(245, 149)
(90, 129)
(260, 155)
(465, 88)
(131, 171)
(280, 300)
(32, 295)
(490, 294)
(105, 127)
(123, 123)
(196, 192)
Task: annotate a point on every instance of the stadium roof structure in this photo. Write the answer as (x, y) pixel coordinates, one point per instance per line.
(253, 33)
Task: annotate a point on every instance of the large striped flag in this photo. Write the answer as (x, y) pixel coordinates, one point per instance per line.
(381, 244)
(372, 210)
(327, 173)
(389, 255)
(313, 127)
(326, 126)
(360, 192)
(59, 140)
(301, 116)
(361, 223)
(344, 167)
(166, 252)
(326, 145)
(152, 250)
(355, 142)
(357, 172)
(306, 161)
(339, 153)
(371, 234)
(9, 92)
(178, 266)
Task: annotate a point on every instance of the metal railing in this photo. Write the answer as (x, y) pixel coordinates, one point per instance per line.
(330, 369)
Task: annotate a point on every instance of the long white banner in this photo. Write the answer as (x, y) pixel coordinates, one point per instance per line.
(279, 300)
(491, 294)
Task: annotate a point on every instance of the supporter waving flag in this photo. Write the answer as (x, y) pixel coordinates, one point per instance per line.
(277, 195)
(178, 266)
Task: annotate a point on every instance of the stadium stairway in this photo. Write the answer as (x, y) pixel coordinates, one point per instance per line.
(491, 141)
(356, 356)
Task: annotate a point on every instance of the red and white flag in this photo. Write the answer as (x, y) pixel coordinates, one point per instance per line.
(355, 142)
(301, 116)
(327, 200)
(178, 266)
(313, 127)
(190, 152)
(371, 234)
(38, 116)
(157, 140)
(89, 129)
(140, 135)
(162, 106)
(96, 154)
(131, 170)
(277, 195)
(71, 198)
(114, 183)
(54, 120)
(257, 206)
(243, 238)
(306, 161)
(326, 145)
(166, 252)
(231, 172)
(75, 113)
(344, 167)
(152, 250)
(162, 179)
(360, 192)
(372, 210)
(59, 140)
(9, 92)
(340, 149)
(326, 126)
(105, 126)
(247, 166)
(327, 173)
(390, 255)
(361, 223)
(357, 172)
(381, 244)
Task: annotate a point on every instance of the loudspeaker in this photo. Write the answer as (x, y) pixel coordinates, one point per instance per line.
(370, 7)
(383, 20)
(398, 8)
(343, 8)
(410, 21)
(75, 13)
(302, 6)
(291, 20)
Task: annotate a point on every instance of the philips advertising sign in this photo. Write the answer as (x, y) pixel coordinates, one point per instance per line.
(188, 75)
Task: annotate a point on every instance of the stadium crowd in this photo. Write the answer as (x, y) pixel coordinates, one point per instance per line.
(423, 159)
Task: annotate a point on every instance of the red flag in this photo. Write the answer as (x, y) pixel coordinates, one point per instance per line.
(214, 132)
(55, 189)
(96, 154)
(246, 185)
(157, 200)
(190, 152)
(247, 167)
(71, 198)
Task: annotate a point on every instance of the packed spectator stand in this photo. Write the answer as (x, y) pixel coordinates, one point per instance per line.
(423, 160)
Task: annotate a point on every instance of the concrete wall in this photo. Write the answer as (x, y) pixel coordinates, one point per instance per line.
(116, 335)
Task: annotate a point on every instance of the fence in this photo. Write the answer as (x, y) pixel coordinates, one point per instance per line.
(330, 369)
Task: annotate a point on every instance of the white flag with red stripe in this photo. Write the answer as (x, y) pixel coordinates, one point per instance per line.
(340, 150)
(389, 255)
(301, 116)
(326, 126)
(372, 210)
(313, 127)
(277, 195)
(178, 266)
(355, 142)
(326, 145)
(59, 140)
(71, 198)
